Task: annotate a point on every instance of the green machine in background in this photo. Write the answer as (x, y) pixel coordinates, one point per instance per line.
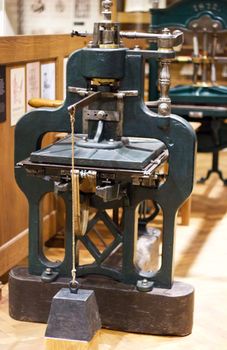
(204, 100)
(120, 147)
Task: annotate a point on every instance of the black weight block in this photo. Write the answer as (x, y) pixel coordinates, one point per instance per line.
(73, 316)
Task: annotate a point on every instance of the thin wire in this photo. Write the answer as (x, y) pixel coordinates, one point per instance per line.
(72, 120)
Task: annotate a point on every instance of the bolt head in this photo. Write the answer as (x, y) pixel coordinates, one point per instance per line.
(101, 114)
(144, 281)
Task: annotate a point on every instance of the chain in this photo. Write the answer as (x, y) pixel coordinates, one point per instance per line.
(74, 181)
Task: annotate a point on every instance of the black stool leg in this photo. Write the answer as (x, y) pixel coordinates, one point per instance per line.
(214, 169)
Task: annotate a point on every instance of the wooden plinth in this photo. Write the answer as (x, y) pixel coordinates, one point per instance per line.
(121, 306)
(58, 344)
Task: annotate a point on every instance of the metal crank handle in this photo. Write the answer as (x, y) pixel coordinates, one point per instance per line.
(174, 39)
(165, 39)
(177, 35)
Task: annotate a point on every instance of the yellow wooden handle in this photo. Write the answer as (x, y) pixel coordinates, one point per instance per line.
(183, 59)
(43, 102)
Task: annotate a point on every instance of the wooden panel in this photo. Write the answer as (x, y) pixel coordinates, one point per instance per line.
(15, 49)
(13, 205)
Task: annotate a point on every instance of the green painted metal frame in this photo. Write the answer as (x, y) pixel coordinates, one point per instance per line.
(139, 121)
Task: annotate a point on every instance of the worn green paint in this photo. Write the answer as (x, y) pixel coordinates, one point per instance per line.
(173, 131)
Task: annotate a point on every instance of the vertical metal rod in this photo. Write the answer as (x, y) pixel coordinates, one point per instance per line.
(75, 188)
(195, 54)
(205, 53)
(195, 44)
(120, 109)
(164, 102)
(213, 77)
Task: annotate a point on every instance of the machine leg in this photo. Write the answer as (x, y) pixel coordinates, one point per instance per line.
(214, 169)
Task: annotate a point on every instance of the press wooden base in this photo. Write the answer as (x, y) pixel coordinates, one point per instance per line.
(121, 306)
(58, 344)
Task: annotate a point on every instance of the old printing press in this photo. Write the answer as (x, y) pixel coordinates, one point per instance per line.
(119, 148)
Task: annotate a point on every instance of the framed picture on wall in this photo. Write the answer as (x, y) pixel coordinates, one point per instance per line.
(48, 81)
(32, 81)
(17, 94)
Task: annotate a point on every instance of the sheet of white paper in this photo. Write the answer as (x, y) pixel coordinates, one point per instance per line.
(17, 94)
(32, 81)
(48, 81)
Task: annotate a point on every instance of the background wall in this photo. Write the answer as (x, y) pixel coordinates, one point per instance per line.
(49, 16)
(61, 16)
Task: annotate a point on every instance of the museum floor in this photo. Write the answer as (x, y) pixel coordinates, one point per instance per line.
(201, 260)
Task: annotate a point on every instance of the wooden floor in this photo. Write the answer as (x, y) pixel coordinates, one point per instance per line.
(201, 259)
